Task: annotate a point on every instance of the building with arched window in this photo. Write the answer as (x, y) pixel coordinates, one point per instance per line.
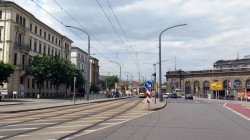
(233, 74)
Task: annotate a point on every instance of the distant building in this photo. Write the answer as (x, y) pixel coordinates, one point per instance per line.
(23, 36)
(234, 75)
(236, 63)
(94, 70)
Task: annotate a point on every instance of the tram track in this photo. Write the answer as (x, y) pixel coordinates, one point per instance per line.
(83, 115)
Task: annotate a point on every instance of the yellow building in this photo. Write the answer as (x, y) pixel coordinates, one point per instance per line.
(23, 36)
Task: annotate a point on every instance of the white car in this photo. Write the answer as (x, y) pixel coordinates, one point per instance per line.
(165, 95)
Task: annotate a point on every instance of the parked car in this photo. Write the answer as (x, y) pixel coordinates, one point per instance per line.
(165, 95)
(173, 95)
(189, 96)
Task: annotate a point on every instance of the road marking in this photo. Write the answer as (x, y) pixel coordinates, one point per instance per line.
(69, 126)
(17, 129)
(30, 124)
(113, 124)
(243, 116)
(57, 132)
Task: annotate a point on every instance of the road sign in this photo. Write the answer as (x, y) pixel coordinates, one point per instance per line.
(148, 96)
(148, 84)
(215, 85)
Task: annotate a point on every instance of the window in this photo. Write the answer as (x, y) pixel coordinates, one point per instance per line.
(66, 46)
(52, 38)
(44, 48)
(30, 42)
(28, 83)
(0, 34)
(56, 41)
(40, 47)
(52, 51)
(40, 32)
(33, 83)
(23, 62)
(59, 42)
(23, 21)
(19, 38)
(15, 58)
(48, 50)
(17, 18)
(35, 29)
(49, 37)
(44, 34)
(0, 14)
(35, 44)
(59, 54)
(30, 27)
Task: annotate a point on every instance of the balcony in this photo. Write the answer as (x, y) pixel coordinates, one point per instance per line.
(22, 46)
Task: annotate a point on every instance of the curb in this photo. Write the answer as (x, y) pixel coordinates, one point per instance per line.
(158, 108)
(42, 108)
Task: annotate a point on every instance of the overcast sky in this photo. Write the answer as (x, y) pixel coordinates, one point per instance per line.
(217, 29)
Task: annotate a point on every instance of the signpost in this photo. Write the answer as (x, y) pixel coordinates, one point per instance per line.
(215, 86)
(148, 85)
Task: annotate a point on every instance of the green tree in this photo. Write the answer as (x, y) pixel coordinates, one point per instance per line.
(94, 88)
(111, 80)
(5, 71)
(40, 69)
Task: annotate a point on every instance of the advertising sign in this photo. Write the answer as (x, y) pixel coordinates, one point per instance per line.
(215, 85)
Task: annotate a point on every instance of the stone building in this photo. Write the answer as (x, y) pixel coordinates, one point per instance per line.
(94, 70)
(234, 75)
(23, 36)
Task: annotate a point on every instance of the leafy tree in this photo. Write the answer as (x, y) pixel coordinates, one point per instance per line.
(5, 71)
(111, 80)
(95, 88)
(40, 69)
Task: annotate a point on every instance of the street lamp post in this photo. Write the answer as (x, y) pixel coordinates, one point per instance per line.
(160, 94)
(120, 74)
(88, 58)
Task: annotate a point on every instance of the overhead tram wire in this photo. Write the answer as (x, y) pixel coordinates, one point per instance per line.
(122, 30)
(84, 29)
(67, 28)
(87, 31)
(113, 27)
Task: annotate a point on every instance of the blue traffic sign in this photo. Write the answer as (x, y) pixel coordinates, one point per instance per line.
(148, 84)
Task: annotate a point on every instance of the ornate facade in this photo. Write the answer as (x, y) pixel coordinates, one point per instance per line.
(235, 79)
(23, 36)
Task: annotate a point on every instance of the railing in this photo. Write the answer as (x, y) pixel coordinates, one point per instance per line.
(22, 46)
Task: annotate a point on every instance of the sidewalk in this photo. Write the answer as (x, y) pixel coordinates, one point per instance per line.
(19, 105)
(241, 108)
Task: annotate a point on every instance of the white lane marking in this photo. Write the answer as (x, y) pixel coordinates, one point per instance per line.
(22, 136)
(30, 124)
(90, 131)
(243, 116)
(69, 126)
(57, 132)
(17, 129)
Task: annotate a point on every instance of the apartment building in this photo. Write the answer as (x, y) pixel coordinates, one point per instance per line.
(23, 36)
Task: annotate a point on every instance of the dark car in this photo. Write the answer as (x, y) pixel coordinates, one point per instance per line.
(173, 95)
(189, 96)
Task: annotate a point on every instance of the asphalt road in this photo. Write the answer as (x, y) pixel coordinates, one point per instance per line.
(180, 120)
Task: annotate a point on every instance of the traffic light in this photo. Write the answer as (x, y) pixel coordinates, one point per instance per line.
(154, 74)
